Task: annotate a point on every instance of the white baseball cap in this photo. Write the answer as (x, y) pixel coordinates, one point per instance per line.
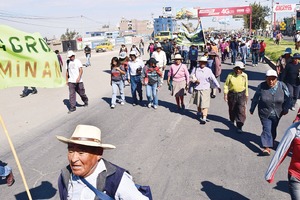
(122, 55)
(239, 64)
(271, 72)
(71, 53)
(132, 53)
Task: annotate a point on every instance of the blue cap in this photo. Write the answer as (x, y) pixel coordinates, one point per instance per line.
(288, 51)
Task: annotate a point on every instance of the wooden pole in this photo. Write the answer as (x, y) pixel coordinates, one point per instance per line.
(16, 158)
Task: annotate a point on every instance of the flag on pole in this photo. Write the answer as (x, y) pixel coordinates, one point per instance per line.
(27, 60)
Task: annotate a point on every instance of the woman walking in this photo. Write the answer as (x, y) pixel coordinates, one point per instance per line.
(236, 95)
(273, 100)
(204, 79)
(151, 78)
(117, 72)
(178, 79)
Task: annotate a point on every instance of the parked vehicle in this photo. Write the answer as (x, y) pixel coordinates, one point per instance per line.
(104, 46)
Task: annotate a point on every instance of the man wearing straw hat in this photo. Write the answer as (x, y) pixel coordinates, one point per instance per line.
(88, 175)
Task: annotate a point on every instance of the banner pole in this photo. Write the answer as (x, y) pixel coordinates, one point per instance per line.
(16, 158)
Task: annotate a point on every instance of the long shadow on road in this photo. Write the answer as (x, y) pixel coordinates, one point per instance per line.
(245, 138)
(44, 191)
(217, 192)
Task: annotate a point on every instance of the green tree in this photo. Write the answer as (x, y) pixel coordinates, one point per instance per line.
(69, 35)
(259, 13)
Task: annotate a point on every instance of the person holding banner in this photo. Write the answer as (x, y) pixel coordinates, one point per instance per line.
(75, 83)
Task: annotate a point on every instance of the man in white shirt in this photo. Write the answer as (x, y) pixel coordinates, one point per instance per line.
(161, 57)
(88, 173)
(135, 66)
(74, 79)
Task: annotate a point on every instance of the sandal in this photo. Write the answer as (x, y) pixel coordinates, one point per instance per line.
(10, 180)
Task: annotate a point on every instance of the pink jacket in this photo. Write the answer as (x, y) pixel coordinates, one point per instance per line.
(182, 74)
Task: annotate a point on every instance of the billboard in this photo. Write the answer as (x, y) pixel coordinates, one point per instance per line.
(284, 8)
(186, 13)
(208, 12)
(167, 11)
(189, 35)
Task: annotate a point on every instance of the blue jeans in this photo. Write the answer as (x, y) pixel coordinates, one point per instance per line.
(88, 56)
(136, 86)
(294, 187)
(269, 132)
(255, 58)
(244, 57)
(115, 86)
(4, 171)
(151, 93)
(233, 56)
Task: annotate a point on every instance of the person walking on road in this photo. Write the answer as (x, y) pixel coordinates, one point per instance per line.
(117, 72)
(236, 95)
(234, 46)
(74, 79)
(123, 49)
(193, 57)
(151, 78)
(255, 47)
(88, 53)
(262, 50)
(282, 61)
(160, 56)
(123, 58)
(290, 143)
(137, 51)
(167, 48)
(214, 63)
(178, 79)
(150, 49)
(273, 100)
(290, 77)
(135, 66)
(204, 79)
(141, 47)
(89, 174)
(59, 60)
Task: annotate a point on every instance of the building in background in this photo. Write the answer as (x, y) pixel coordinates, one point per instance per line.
(135, 27)
(162, 24)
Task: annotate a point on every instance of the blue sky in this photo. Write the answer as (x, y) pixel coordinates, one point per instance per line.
(57, 15)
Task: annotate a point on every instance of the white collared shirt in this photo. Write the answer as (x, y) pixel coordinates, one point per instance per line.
(134, 65)
(160, 57)
(127, 190)
(73, 69)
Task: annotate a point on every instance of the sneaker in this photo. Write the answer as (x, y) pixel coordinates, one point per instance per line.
(122, 103)
(149, 105)
(23, 95)
(212, 96)
(293, 108)
(202, 121)
(112, 106)
(86, 104)
(266, 152)
(34, 92)
(155, 106)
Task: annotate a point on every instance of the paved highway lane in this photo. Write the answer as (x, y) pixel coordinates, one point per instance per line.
(170, 151)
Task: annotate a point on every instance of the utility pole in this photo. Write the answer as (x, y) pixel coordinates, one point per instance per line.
(272, 7)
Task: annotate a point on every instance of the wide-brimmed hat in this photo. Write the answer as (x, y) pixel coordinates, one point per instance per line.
(296, 56)
(122, 55)
(152, 61)
(158, 45)
(288, 51)
(132, 53)
(177, 57)
(86, 135)
(239, 64)
(202, 59)
(70, 54)
(271, 72)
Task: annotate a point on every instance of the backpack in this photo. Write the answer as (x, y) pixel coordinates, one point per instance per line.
(112, 182)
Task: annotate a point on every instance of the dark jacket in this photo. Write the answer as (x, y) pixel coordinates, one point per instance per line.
(113, 172)
(291, 73)
(267, 102)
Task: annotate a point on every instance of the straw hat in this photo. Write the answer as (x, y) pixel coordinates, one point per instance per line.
(86, 135)
(202, 59)
(177, 57)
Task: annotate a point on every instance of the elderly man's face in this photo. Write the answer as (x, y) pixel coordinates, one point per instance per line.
(83, 159)
(271, 81)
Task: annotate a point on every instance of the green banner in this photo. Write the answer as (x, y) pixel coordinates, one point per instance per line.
(27, 60)
(191, 36)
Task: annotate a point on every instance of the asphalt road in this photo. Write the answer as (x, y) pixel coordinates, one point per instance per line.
(170, 151)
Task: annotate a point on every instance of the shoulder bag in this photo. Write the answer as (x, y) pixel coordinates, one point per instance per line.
(171, 79)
